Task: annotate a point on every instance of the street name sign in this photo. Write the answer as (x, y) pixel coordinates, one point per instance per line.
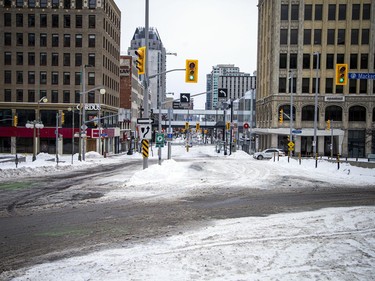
(362, 76)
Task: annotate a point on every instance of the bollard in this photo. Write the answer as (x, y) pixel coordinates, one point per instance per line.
(338, 161)
(16, 160)
(299, 158)
(316, 160)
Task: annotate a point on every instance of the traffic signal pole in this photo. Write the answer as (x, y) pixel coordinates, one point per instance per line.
(146, 81)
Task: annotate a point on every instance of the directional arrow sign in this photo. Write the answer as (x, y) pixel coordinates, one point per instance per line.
(145, 121)
(145, 131)
(185, 97)
(223, 93)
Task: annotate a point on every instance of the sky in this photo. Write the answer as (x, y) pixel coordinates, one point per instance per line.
(211, 31)
(327, 244)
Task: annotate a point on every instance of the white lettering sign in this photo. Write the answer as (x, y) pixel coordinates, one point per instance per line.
(90, 106)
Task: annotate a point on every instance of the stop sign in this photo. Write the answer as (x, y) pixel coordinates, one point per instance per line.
(246, 125)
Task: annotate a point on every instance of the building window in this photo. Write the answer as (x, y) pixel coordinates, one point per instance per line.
(19, 58)
(19, 3)
(31, 20)
(92, 21)
(19, 77)
(43, 59)
(294, 36)
(305, 85)
(307, 36)
(329, 85)
(19, 39)
(31, 3)
(354, 37)
(91, 79)
(293, 61)
(7, 77)
(314, 85)
(7, 39)
(332, 12)
(7, 19)
(308, 12)
(342, 12)
(92, 40)
(43, 77)
(55, 21)
(357, 113)
(55, 77)
(8, 95)
(78, 21)
(7, 3)
(31, 39)
(317, 36)
(43, 20)
(66, 97)
(318, 12)
(67, 21)
(66, 79)
(283, 61)
(55, 4)
(294, 12)
(363, 86)
(31, 58)
(352, 86)
(333, 112)
(77, 97)
(330, 61)
(54, 96)
(365, 37)
(283, 36)
(19, 20)
(77, 78)
(92, 4)
(43, 3)
(308, 113)
(284, 12)
(364, 61)
(340, 58)
(331, 37)
(55, 59)
(43, 40)
(353, 61)
(78, 59)
(55, 40)
(306, 61)
(78, 40)
(282, 85)
(366, 11)
(67, 4)
(66, 40)
(7, 58)
(66, 59)
(79, 4)
(19, 95)
(356, 8)
(91, 59)
(31, 77)
(341, 37)
(30, 95)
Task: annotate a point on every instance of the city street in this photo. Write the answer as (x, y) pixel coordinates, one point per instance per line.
(77, 212)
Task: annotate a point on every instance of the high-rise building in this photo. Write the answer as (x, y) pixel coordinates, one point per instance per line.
(156, 62)
(229, 77)
(300, 44)
(55, 55)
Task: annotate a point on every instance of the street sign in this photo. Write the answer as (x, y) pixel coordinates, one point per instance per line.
(145, 121)
(362, 76)
(185, 98)
(159, 140)
(296, 131)
(222, 93)
(145, 131)
(246, 125)
(176, 105)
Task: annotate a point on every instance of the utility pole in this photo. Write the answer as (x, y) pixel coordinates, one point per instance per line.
(316, 110)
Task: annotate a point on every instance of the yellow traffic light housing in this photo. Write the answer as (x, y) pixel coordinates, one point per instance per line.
(15, 120)
(328, 124)
(197, 127)
(141, 61)
(187, 126)
(341, 74)
(227, 126)
(62, 118)
(191, 71)
(281, 116)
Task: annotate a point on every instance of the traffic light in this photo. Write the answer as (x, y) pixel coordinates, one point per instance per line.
(341, 74)
(141, 61)
(197, 126)
(281, 116)
(62, 118)
(191, 71)
(227, 126)
(15, 120)
(186, 125)
(328, 124)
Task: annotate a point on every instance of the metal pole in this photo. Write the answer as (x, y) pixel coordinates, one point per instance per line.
(72, 134)
(57, 138)
(316, 109)
(34, 141)
(159, 127)
(231, 122)
(331, 139)
(225, 132)
(84, 111)
(251, 120)
(145, 95)
(170, 132)
(291, 107)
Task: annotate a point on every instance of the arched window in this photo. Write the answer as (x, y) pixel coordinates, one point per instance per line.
(308, 113)
(286, 109)
(357, 113)
(334, 113)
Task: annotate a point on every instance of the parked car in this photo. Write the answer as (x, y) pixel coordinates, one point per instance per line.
(268, 153)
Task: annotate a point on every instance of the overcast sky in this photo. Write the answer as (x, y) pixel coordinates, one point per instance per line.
(212, 31)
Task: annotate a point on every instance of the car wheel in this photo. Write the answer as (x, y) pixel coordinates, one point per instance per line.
(260, 157)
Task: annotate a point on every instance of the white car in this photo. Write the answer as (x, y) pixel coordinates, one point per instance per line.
(268, 153)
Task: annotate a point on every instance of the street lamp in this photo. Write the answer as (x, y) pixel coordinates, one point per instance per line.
(36, 124)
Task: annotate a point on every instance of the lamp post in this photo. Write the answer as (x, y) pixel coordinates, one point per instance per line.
(72, 110)
(316, 109)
